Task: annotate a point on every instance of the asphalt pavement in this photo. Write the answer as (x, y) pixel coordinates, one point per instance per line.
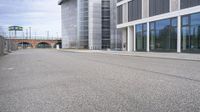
(47, 80)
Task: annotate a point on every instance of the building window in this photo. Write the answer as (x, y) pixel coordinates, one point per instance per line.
(163, 35)
(191, 33)
(141, 37)
(157, 7)
(134, 10)
(189, 3)
(119, 14)
(105, 24)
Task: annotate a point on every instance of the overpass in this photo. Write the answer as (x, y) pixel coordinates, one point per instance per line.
(36, 43)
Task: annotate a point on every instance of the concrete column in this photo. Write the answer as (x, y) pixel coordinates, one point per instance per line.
(174, 5)
(124, 39)
(148, 37)
(130, 38)
(145, 8)
(125, 12)
(52, 45)
(134, 39)
(179, 4)
(179, 35)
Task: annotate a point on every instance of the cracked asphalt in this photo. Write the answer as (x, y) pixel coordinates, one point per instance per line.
(46, 80)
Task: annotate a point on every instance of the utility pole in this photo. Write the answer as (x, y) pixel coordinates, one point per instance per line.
(15, 34)
(57, 35)
(35, 35)
(26, 33)
(29, 32)
(47, 34)
(8, 42)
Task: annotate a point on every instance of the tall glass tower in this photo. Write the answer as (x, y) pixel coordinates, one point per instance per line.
(92, 18)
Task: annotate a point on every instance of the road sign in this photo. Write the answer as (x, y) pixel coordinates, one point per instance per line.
(15, 28)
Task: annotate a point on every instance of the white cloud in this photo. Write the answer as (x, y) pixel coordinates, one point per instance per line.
(41, 15)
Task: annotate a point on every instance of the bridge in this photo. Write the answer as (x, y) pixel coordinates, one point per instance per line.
(36, 43)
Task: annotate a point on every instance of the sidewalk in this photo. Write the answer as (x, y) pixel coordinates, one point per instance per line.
(176, 56)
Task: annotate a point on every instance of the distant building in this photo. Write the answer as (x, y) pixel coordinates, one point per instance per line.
(159, 25)
(89, 24)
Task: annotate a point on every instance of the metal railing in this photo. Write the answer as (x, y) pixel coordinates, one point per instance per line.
(35, 38)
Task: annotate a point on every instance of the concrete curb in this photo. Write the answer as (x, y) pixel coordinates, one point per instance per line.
(172, 56)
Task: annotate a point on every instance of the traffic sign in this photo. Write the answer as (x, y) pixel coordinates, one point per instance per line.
(15, 28)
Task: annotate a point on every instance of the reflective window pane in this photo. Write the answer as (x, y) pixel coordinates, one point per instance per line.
(141, 37)
(174, 22)
(163, 37)
(195, 19)
(185, 20)
(191, 33)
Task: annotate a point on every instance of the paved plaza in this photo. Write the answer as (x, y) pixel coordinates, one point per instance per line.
(47, 80)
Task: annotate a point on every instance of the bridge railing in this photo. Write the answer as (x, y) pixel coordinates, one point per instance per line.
(35, 38)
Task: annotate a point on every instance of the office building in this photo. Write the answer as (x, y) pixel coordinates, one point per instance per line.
(86, 24)
(159, 25)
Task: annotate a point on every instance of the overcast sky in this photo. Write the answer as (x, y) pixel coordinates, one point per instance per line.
(41, 15)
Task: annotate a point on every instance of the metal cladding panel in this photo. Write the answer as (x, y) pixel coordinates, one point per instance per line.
(113, 24)
(83, 28)
(189, 3)
(135, 10)
(69, 23)
(119, 14)
(95, 24)
(157, 7)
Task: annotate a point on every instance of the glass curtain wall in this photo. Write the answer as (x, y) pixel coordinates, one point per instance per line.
(141, 37)
(83, 24)
(105, 24)
(191, 33)
(163, 35)
(119, 14)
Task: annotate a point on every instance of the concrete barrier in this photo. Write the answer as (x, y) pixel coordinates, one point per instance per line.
(10, 45)
(7, 45)
(2, 45)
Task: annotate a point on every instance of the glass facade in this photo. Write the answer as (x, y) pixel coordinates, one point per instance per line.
(141, 37)
(191, 33)
(163, 35)
(83, 24)
(105, 24)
